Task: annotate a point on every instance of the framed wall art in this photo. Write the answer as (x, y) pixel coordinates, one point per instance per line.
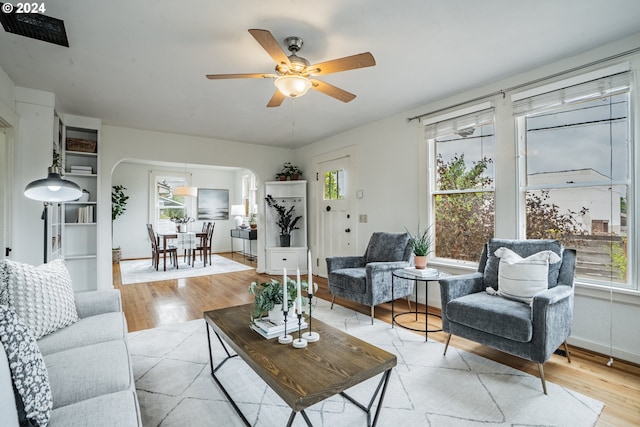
(213, 204)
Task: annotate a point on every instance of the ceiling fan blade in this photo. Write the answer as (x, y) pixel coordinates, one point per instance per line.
(360, 60)
(336, 92)
(276, 99)
(240, 76)
(270, 44)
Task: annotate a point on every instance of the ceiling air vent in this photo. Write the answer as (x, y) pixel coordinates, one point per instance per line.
(35, 26)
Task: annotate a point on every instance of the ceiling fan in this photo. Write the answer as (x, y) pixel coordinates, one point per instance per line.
(294, 75)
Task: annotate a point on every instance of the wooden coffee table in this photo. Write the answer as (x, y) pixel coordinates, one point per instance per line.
(301, 377)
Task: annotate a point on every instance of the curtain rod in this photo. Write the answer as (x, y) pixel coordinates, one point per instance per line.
(542, 79)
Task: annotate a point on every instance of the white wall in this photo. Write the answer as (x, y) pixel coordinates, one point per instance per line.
(391, 170)
(129, 231)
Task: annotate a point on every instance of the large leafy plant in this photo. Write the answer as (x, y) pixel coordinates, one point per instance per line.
(268, 294)
(286, 219)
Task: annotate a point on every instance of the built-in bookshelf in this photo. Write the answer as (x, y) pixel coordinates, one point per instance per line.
(80, 161)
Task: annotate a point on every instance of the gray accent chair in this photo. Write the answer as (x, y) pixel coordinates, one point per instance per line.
(367, 279)
(532, 332)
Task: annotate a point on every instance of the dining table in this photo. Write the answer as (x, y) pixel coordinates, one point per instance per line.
(165, 237)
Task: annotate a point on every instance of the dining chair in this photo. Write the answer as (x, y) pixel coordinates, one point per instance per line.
(205, 245)
(157, 250)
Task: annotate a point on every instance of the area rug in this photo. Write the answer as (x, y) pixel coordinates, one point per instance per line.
(175, 387)
(141, 270)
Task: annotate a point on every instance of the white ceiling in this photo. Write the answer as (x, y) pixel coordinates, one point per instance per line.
(142, 64)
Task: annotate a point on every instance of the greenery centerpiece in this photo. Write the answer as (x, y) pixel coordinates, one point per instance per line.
(286, 220)
(269, 294)
(289, 171)
(181, 222)
(118, 206)
(421, 245)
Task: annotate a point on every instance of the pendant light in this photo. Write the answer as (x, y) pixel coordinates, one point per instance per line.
(185, 190)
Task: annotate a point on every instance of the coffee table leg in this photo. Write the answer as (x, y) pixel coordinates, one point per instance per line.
(213, 374)
(384, 381)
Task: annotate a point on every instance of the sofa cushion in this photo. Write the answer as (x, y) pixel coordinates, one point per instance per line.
(42, 296)
(524, 248)
(387, 247)
(350, 279)
(520, 278)
(495, 315)
(114, 409)
(87, 372)
(90, 330)
(29, 375)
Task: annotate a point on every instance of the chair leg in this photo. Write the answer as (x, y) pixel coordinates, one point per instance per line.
(409, 302)
(544, 384)
(446, 344)
(566, 350)
(372, 308)
(333, 299)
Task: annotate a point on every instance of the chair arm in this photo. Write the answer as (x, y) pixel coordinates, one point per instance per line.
(551, 296)
(97, 302)
(338, 262)
(381, 267)
(458, 286)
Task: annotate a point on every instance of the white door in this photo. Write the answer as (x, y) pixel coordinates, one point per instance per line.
(336, 231)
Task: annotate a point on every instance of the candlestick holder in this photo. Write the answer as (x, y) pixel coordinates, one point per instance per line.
(310, 336)
(286, 338)
(299, 342)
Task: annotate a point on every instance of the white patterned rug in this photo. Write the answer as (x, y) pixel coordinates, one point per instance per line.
(140, 270)
(175, 387)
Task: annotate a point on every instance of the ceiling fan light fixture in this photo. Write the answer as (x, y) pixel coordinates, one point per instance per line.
(293, 86)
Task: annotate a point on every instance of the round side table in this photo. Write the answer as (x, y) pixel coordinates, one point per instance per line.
(430, 275)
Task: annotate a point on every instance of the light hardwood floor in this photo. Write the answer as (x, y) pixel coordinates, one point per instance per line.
(148, 305)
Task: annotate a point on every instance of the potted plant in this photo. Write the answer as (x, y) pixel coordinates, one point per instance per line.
(269, 298)
(421, 245)
(289, 171)
(181, 222)
(253, 221)
(286, 220)
(118, 206)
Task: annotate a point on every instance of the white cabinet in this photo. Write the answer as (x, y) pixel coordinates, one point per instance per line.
(80, 160)
(288, 194)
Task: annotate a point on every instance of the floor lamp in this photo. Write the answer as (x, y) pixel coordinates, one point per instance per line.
(53, 188)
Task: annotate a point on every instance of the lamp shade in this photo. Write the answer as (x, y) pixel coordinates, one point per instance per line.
(238, 212)
(293, 86)
(185, 191)
(53, 188)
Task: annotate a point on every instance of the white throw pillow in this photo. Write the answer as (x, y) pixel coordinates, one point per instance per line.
(520, 278)
(42, 296)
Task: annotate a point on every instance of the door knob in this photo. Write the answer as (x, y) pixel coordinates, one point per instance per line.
(328, 208)
(347, 230)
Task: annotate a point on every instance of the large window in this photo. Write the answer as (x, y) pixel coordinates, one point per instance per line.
(166, 205)
(461, 155)
(575, 180)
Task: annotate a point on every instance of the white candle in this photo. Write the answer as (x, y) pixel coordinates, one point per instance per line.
(299, 293)
(285, 301)
(310, 290)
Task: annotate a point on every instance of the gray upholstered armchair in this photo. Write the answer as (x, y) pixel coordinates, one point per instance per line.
(367, 279)
(532, 331)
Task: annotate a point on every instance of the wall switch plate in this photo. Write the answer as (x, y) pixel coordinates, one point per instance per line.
(362, 218)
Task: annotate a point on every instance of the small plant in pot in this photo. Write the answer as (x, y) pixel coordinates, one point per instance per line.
(269, 298)
(286, 220)
(421, 245)
(118, 206)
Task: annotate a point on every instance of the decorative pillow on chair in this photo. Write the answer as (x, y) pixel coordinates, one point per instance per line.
(520, 278)
(42, 296)
(28, 371)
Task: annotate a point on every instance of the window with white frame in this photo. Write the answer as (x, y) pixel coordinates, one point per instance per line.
(575, 178)
(165, 204)
(461, 156)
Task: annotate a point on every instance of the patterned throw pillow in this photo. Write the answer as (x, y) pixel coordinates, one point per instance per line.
(520, 278)
(28, 371)
(42, 296)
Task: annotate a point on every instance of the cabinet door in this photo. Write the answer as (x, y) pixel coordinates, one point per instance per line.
(279, 259)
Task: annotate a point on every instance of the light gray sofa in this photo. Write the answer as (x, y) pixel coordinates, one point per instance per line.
(89, 368)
